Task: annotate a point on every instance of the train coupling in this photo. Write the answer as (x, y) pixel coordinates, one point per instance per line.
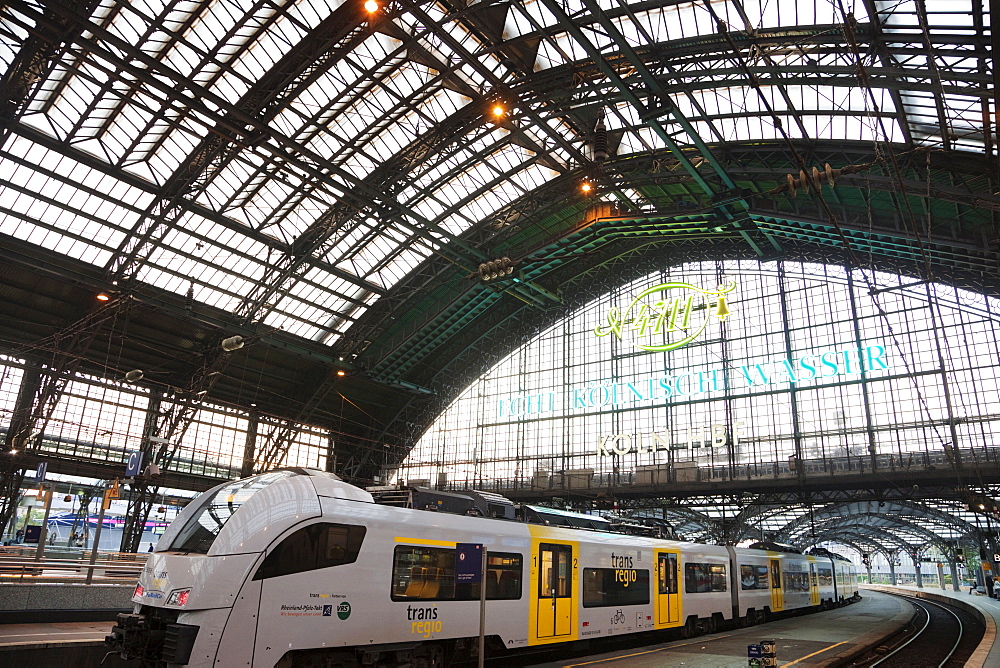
(137, 636)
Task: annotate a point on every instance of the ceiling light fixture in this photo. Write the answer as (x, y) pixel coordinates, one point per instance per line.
(231, 343)
(371, 6)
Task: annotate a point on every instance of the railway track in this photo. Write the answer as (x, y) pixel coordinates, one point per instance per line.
(938, 635)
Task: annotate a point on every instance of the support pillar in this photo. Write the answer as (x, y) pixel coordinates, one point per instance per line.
(892, 571)
(940, 574)
(954, 576)
(331, 456)
(138, 508)
(250, 446)
(916, 570)
(17, 438)
(43, 535)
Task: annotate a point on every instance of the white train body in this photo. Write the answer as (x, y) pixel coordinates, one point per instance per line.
(292, 565)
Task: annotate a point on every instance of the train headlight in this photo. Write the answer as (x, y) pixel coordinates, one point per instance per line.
(138, 591)
(178, 597)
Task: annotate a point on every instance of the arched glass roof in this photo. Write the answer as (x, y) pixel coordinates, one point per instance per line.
(292, 162)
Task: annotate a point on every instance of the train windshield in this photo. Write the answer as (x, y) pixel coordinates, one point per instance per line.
(214, 510)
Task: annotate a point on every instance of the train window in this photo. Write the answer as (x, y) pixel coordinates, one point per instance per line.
(503, 579)
(702, 578)
(668, 574)
(554, 576)
(320, 545)
(754, 577)
(428, 573)
(796, 581)
(825, 577)
(213, 510)
(604, 587)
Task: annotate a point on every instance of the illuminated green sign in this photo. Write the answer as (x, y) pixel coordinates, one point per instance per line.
(667, 316)
(815, 367)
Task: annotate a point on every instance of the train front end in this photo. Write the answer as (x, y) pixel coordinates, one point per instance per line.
(187, 590)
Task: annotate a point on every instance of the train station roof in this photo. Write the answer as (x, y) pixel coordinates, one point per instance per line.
(342, 216)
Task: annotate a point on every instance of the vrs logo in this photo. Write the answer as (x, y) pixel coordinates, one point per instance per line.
(344, 610)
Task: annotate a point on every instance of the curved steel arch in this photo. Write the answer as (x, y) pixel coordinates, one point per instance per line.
(879, 537)
(885, 524)
(853, 544)
(873, 508)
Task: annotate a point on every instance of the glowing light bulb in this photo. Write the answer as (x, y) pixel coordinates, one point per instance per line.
(371, 6)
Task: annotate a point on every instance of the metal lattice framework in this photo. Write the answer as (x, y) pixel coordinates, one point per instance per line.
(326, 183)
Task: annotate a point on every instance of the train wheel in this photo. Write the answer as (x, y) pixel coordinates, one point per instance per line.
(690, 627)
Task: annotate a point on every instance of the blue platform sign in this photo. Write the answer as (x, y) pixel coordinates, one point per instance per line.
(40, 471)
(754, 651)
(134, 465)
(469, 562)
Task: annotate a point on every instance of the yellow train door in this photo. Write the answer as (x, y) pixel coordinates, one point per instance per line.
(813, 584)
(777, 593)
(555, 600)
(668, 597)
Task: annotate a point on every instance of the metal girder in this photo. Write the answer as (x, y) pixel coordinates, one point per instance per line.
(888, 523)
(68, 348)
(277, 440)
(460, 315)
(90, 161)
(234, 121)
(871, 508)
(36, 59)
(318, 50)
(643, 110)
(168, 429)
(876, 535)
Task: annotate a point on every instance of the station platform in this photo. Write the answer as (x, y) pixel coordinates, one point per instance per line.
(814, 640)
(79, 644)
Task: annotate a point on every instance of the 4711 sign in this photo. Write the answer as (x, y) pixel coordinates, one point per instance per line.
(667, 316)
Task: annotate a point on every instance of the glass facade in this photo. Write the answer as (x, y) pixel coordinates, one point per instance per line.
(102, 420)
(803, 364)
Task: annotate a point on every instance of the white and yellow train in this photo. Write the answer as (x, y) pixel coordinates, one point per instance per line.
(295, 567)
